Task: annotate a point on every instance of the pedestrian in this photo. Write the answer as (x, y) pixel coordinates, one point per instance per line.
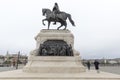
(96, 63)
(88, 65)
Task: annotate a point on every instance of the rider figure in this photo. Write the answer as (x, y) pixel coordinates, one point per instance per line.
(56, 11)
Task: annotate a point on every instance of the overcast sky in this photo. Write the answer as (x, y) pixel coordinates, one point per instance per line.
(97, 31)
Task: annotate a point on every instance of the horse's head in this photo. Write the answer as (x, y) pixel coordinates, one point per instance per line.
(45, 11)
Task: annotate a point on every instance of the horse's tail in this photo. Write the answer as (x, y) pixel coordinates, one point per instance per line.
(70, 19)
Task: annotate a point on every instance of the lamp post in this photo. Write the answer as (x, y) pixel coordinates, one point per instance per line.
(17, 60)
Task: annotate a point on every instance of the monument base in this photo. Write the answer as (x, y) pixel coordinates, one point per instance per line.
(88, 75)
(58, 42)
(54, 64)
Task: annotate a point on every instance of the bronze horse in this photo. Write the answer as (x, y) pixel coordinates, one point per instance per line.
(61, 18)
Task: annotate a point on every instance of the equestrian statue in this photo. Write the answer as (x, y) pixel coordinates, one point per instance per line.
(56, 16)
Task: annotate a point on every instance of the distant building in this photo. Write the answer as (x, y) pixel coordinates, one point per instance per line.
(103, 61)
(1, 59)
(13, 58)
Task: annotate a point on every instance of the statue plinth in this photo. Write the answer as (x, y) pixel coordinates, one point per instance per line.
(54, 64)
(53, 34)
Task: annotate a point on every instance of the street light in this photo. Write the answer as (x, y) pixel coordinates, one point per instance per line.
(17, 60)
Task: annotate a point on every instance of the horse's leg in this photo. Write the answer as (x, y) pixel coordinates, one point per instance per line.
(60, 26)
(43, 21)
(48, 24)
(65, 24)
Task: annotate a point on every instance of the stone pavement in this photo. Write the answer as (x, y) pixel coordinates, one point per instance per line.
(88, 75)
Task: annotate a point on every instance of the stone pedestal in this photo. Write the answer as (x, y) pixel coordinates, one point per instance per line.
(45, 35)
(54, 64)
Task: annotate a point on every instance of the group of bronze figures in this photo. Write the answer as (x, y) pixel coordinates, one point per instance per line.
(55, 48)
(56, 16)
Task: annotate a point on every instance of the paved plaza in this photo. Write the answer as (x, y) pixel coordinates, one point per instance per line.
(110, 69)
